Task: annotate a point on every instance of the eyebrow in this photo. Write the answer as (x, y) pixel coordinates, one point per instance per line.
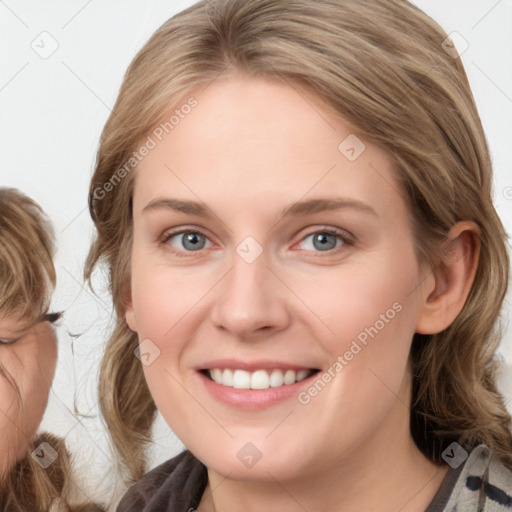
(321, 205)
(308, 207)
(190, 207)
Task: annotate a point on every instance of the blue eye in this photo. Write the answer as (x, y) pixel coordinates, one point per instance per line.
(323, 241)
(188, 241)
(183, 242)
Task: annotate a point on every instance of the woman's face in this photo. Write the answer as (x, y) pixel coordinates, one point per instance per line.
(28, 355)
(272, 249)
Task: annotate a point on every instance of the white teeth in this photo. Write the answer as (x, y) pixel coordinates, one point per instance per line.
(227, 377)
(241, 379)
(302, 374)
(217, 374)
(289, 377)
(276, 378)
(259, 379)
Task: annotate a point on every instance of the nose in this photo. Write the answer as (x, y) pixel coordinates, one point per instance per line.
(250, 301)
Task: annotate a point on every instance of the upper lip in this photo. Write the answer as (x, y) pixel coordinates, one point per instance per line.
(250, 366)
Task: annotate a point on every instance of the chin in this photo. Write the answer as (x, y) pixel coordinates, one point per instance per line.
(249, 464)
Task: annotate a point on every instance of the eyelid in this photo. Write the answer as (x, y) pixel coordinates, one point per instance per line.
(167, 235)
(170, 234)
(347, 238)
(8, 342)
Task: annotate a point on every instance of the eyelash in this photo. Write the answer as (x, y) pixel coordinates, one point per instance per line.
(47, 317)
(343, 236)
(8, 342)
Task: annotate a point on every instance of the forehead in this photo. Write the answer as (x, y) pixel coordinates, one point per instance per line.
(268, 138)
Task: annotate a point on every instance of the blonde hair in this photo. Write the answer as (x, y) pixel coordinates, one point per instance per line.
(27, 281)
(394, 83)
(29, 487)
(27, 274)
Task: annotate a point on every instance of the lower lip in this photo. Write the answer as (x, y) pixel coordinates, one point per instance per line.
(253, 399)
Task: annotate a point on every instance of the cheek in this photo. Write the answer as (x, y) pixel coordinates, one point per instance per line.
(364, 302)
(157, 308)
(160, 307)
(164, 299)
(32, 367)
(39, 360)
(9, 410)
(368, 321)
(35, 390)
(9, 400)
(13, 441)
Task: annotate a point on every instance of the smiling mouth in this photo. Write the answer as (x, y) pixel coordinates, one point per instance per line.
(259, 379)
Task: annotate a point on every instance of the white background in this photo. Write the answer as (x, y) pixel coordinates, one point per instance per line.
(52, 114)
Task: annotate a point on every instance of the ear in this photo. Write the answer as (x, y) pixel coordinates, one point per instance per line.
(130, 318)
(452, 277)
(129, 314)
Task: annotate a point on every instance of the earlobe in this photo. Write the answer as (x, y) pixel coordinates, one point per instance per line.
(453, 277)
(129, 314)
(130, 318)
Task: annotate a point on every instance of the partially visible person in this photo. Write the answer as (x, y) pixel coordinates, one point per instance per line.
(34, 469)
